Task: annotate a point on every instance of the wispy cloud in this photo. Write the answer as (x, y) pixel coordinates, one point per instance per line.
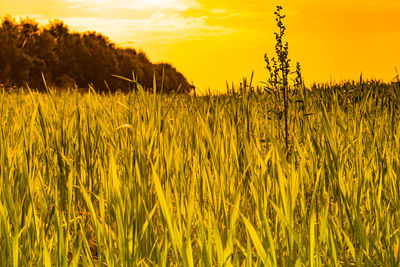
(139, 21)
(159, 27)
(160, 21)
(100, 5)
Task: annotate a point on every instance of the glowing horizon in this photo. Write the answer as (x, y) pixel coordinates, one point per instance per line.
(212, 42)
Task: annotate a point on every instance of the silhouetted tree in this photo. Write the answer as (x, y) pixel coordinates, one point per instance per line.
(75, 59)
(17, 62)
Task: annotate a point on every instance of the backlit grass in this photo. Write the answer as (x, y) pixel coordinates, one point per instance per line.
(144, 179)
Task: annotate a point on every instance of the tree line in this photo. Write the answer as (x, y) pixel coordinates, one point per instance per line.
(70, 59)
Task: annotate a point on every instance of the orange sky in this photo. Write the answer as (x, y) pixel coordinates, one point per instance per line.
(211, 41)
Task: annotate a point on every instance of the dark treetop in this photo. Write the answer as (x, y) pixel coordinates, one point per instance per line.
(69, 59)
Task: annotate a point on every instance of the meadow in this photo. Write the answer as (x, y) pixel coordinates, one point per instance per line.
(143, 179)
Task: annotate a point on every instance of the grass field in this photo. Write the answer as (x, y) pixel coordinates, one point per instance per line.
(143, 179)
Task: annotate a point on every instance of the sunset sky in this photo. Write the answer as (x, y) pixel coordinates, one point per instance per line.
(211, 41)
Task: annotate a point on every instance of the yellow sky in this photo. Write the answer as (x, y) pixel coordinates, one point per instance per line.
(211, 41)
